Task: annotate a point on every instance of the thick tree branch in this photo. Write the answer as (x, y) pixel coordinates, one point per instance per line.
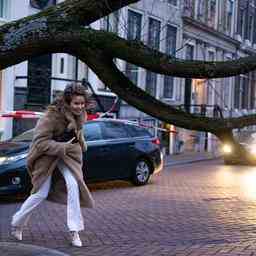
(29, 34)
(79, 42)
(25, 33)
(70, 12)
(106, 70)
(84, 12)
(141, 55)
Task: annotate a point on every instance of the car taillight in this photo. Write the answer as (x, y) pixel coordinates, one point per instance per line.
(156, 141)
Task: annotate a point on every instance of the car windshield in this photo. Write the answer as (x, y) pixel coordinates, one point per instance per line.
(26, 136)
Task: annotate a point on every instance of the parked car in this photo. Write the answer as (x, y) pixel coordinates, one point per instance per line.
(115, 151)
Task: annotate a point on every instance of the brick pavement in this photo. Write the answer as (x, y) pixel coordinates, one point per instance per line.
(15, 248)
(196, 209)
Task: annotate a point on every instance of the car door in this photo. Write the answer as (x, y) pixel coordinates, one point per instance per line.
(94, 159)
(118, 144)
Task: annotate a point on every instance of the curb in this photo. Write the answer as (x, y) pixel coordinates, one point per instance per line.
(15, 248)
(173, 163)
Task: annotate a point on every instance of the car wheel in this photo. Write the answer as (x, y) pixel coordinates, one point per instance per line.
(141, 173)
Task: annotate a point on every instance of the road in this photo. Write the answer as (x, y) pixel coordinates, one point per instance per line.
(204, 208)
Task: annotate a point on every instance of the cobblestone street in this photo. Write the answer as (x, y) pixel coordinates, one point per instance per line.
(196, 209)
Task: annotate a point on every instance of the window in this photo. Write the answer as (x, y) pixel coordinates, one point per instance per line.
(134, 25)
(25, 136)
(132, 72)
(151, 80)
(189, 8)
(171, 36)
(202, 10)
(250, 28)
(3, 8)
(134, 33)
(41, 4)
(226, 88)
(245, 92)
(61, 65)
(114, 130)
(242, 92)
(173, 2)
(136, 131)
(229, 16)
(252, 94)
(241, 22)
(211, 13)
(225, 92)
(168, 87)
(237, 93)
(189, 52)
(154, 33)
(110, 22)
(153, 42)
(92, 131)
(210, 84)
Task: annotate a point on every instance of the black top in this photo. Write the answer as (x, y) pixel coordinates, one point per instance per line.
(67, 136)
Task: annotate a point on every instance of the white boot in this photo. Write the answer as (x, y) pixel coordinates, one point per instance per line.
(16, 232)
(75, 239)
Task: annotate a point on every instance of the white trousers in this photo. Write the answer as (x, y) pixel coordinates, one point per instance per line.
(74, 215)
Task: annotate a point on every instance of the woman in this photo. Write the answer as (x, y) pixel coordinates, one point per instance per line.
(55, 158)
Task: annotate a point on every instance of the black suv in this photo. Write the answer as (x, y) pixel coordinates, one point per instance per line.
(115, 151)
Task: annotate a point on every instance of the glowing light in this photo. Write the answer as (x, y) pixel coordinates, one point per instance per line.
(227, 149)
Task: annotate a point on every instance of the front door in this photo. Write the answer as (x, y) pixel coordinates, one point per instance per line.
(94, 160)
(119, 146)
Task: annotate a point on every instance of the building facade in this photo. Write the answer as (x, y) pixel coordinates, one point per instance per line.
(210, 30)
(219, 30)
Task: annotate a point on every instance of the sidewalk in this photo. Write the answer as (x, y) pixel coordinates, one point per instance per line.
(188, 157)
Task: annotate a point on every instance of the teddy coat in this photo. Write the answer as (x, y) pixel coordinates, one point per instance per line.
(45, 152)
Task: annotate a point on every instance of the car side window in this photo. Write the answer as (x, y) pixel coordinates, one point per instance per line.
(114, 130)
(92, 131)
(25, 136)
(136, 131)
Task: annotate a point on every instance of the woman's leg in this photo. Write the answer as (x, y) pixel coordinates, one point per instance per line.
(21, 217)
(74, 216)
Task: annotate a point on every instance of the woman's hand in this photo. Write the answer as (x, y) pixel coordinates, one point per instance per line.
(69, 146)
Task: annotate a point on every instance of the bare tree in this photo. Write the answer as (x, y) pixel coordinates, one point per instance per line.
(62, 29)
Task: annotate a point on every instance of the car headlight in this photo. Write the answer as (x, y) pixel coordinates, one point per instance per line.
(252, 149)
(227, 149)
(9, 159)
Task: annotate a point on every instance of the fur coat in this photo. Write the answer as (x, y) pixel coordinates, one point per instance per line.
(45, 152)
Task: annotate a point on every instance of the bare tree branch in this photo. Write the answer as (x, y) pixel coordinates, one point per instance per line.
(137, 53)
